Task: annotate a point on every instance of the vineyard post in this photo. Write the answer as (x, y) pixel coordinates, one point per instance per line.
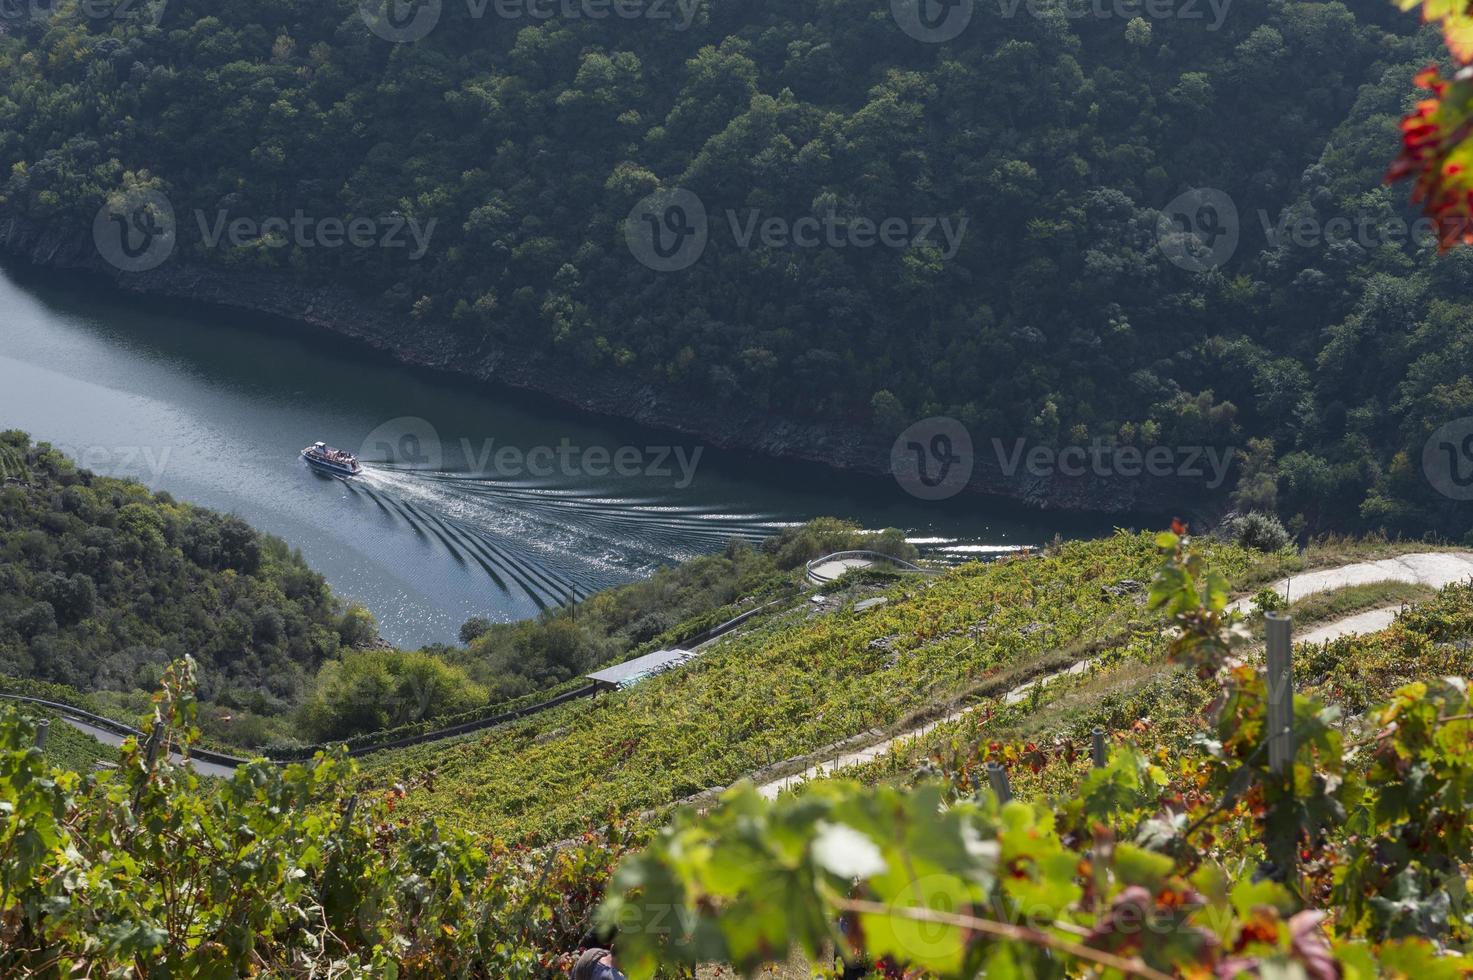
(998, 777)
(1280, 693)
(348, 812)
(154, 741)
(43, 729)
(1097, 749)
(1281, 727)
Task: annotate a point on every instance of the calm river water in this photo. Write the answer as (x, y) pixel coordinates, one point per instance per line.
(474, 501)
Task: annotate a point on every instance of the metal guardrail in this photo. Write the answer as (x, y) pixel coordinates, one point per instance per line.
(305, 753)
(715, 632)
(439, 734)
(118, 728)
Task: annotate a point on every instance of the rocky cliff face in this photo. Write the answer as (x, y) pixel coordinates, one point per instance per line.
(727, 425)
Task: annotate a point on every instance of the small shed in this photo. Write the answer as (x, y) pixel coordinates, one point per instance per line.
(633, 671)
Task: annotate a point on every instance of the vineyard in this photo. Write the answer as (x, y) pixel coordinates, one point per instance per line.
(790, 686)
(430, 861)
(801, 682)
(1184, 851)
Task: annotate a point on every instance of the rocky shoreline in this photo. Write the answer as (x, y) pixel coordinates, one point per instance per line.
(345, 313)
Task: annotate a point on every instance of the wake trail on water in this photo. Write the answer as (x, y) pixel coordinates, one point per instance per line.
(553, 544)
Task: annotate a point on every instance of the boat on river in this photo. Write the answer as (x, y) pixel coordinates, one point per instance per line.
(323, 457)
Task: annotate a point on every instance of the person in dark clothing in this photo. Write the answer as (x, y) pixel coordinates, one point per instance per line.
(596, 964)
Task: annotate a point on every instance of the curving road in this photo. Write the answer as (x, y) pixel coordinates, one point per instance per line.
(1433, 568)
(201, 766)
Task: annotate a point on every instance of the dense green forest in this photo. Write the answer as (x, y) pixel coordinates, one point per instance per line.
(1325, 350)
(103, 584)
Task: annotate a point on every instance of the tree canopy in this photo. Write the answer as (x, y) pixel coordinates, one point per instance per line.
(1059, 135)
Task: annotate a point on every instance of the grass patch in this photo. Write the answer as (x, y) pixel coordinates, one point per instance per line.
(1324, 607)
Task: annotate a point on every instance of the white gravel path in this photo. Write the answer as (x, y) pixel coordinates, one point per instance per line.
(1436, 569)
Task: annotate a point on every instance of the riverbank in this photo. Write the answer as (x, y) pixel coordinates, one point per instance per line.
(733, 426)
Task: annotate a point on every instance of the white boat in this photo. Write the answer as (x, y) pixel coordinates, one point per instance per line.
(321, 456)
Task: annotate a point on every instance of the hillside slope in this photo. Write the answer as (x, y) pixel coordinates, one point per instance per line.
(211, 877)
(1060, 316)
(817, 675)
(103, 583)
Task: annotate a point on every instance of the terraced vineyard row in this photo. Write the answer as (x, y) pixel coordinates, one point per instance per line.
(786, 688)
(1134, 688)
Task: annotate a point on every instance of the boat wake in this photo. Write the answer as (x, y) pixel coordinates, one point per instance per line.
(552, 544)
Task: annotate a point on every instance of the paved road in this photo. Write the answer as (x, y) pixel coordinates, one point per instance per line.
(114, 739)
(830, 570)
(1372, 621)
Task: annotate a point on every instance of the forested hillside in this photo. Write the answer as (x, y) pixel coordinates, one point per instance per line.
(103, 584)
(1058, 133)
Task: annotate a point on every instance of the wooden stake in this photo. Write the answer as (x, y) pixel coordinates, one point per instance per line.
(998, 777)
(1280, 692)
(1284, 853)
(154, 741)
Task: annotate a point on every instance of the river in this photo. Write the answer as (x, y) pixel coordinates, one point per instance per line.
(474, 501)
